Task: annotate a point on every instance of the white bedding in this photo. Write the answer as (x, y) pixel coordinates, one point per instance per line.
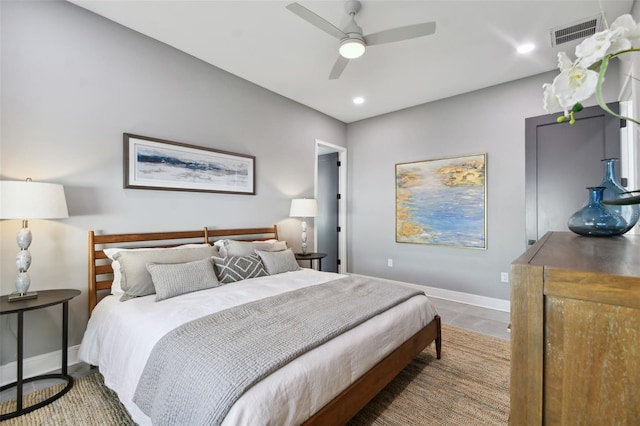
(120, 336)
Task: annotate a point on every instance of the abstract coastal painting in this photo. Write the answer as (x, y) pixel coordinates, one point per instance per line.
(151, 163)
(442, 202)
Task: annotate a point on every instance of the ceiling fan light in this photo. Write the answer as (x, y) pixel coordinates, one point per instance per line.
(352, 48)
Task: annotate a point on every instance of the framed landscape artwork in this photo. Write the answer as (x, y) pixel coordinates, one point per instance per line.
(151, 163)
(442, 202)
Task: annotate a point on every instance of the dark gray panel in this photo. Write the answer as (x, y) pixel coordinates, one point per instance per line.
(327, 220)
(561, 161)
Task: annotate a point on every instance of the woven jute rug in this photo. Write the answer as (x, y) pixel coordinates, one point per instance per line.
(468, 386)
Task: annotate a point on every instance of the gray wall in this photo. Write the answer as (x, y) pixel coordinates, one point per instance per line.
(72, 83)
(485, 121)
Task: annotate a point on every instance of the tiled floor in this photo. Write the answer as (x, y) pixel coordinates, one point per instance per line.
(474, 318)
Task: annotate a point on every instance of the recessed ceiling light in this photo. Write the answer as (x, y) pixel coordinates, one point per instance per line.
(358, 100)
(526, 48)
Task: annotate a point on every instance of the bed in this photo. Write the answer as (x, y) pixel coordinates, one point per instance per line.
(327, 384)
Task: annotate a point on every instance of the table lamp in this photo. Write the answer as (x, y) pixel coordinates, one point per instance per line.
(304, 208)
(29, 200)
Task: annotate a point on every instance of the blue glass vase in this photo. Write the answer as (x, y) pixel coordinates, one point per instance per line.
(596, 220)
(614, 191)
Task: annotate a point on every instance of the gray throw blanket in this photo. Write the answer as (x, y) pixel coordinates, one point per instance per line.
(197, 371)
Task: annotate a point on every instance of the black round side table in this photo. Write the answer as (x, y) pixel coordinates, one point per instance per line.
(45, 298)
(311, 257)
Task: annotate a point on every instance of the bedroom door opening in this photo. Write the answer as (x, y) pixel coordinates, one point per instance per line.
(330, 190)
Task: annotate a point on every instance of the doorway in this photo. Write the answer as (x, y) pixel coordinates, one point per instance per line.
(561, 160)
(330, 230)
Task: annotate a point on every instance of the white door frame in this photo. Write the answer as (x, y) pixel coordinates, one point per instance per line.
(629, 155)
(323, 147)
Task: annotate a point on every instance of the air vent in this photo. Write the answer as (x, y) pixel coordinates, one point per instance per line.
(578, 30)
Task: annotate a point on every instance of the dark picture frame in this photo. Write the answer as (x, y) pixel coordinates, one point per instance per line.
(152, 163)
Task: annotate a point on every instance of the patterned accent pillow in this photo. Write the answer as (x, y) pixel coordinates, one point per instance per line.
(174, 279)
(237, 268)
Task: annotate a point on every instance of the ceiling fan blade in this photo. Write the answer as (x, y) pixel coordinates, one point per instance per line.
(401, 33)
(316, 20)
(338, 67)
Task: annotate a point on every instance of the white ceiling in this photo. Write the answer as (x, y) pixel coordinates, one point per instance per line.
(261, 41)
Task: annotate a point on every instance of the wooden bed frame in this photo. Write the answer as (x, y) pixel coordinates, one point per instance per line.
(339, 410)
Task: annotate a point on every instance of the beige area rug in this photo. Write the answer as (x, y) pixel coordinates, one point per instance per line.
(468, 386)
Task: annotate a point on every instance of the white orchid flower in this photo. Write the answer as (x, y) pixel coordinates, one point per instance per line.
(574, 85)
(627, 34)
(629, 29)
(620, 45)
(550, 100)
(583, 78)
(593, 49)
(564, 63)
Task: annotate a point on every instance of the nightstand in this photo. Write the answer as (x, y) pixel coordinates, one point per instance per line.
(311, 257)
(45, 299)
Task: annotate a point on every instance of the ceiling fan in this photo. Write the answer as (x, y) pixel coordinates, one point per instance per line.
(352, 42)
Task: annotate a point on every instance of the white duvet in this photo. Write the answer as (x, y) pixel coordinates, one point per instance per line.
(120, 336)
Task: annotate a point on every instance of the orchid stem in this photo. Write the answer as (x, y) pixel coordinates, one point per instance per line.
(600, 99)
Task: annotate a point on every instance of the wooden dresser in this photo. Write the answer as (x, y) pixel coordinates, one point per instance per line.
(575, 332)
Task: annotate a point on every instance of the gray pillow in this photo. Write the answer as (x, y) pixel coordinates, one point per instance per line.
(277, 262)
(136, 280)
(174, 279)
(247, 248)
(236, 268)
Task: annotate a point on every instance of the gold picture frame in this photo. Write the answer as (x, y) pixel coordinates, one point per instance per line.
(442, 202)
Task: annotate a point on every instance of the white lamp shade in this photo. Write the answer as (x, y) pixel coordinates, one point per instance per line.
(304, 207)
(32, 200)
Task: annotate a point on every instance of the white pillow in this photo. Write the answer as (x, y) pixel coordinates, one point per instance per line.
(247, 248)
(116, 286)
(115, 265)
(222, 251)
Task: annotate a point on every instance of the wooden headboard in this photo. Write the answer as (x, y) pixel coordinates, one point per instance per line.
(101, 274)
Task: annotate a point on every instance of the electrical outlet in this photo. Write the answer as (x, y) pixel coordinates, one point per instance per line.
(390, 263)
(504, 277)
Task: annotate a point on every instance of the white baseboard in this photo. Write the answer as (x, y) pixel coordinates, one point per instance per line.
(457, 296)
(37, 365)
